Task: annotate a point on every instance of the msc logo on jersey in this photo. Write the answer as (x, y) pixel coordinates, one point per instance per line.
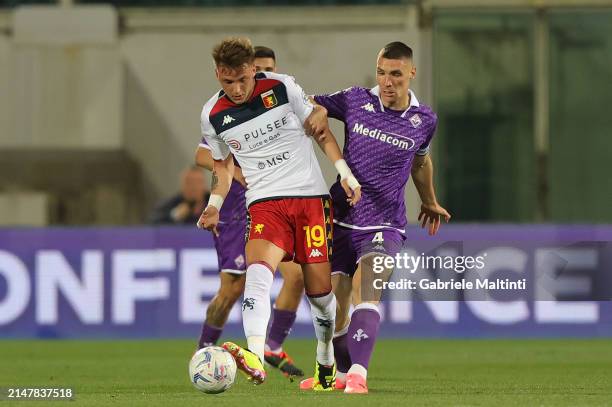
(275, 160)
(235, 144)
(269, 99)
(368, 107)
(415, 120)
(227, 119)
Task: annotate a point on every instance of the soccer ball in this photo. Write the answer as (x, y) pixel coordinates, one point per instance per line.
(212, 370)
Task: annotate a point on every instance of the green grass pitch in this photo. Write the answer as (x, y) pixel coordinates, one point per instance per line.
(402, 373)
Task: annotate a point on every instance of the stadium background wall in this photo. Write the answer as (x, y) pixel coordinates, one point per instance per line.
(135, 92)
(101, 115)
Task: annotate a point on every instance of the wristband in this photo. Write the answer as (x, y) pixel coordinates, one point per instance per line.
(346, 174)
(352, 182)
(216, 201)
(342, 169)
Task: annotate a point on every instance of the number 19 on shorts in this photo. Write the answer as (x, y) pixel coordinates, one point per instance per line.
(315, 236)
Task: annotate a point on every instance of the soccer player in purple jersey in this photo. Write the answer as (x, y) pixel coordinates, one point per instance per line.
(388, 133)
(232, 264)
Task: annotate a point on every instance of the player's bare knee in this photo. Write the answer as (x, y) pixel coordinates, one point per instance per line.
(236, 289)
(295, 283)
(259, 250)
(317, 287)
(317, 276)
(232, 287)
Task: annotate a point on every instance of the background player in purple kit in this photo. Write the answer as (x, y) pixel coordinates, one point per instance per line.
(265, 59)
(387, 137)
(230, 246)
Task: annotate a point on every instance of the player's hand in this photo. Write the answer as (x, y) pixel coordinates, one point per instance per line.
(209, 219)
(316, 124)
(352, 189)
(431, 215)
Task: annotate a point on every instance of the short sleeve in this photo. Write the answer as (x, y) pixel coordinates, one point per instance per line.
(204, 144)
(424, 147)
(211, 140)
(335, 103)
(298, 99)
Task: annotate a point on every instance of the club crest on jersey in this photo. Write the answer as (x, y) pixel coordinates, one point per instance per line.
(269, 99)
(415, 120)
(239, 261)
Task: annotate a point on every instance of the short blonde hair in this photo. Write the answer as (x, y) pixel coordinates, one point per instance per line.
(234, 52)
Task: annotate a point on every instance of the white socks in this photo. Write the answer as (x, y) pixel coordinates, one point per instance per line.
(256, 310)
(256, 345)
(256, 307)
(323, 310)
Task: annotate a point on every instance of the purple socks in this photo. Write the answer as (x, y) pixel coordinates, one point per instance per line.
(209, 336)
(341, 352)
(282, 321)
(362, 332)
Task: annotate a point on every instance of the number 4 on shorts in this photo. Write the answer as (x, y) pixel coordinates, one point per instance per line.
(378, 238)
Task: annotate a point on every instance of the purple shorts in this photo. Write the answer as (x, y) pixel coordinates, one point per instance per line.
(230, 247)
(350, 245)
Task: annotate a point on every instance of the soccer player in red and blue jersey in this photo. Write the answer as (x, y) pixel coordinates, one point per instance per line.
(230, 243)
(260, 119)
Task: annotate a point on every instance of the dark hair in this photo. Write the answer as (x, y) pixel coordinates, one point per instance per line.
(234, 52)
(397, 50)
(264, 52)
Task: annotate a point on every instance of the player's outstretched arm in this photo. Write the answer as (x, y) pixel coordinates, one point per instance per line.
(222, 173)
(431, 211)
(316, 123)
(330, 147)
(203, 158)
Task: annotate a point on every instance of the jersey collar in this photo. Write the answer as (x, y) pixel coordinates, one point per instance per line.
(258, 76)
(414, 102)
